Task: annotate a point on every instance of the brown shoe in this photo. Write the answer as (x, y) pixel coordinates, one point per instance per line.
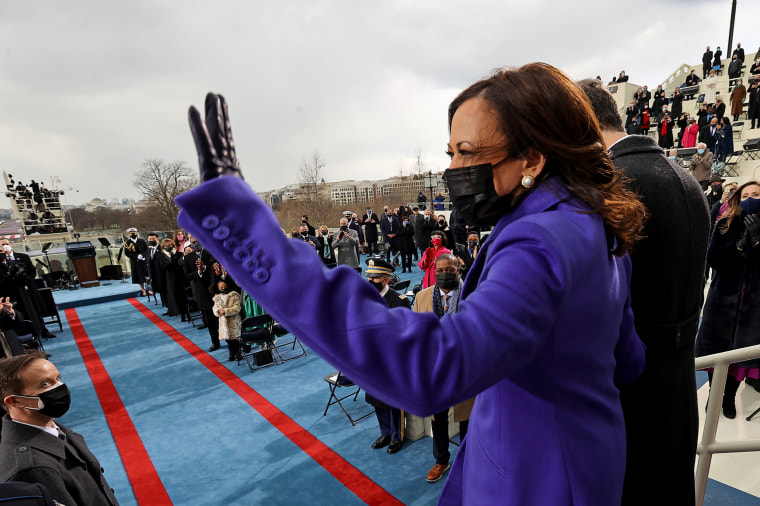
(436, 472)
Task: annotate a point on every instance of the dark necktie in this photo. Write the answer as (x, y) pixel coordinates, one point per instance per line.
(446, 302)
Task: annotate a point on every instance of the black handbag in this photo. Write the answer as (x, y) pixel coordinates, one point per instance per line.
(263, 357)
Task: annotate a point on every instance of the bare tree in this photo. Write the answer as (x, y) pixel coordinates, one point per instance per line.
(311, 177)
(160, 182)
(419, 165)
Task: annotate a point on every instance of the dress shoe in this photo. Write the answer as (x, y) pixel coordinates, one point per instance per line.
(214, 347)
(48, 335)
(231, 359)
(165, 314)
(203, 326)
(381, 442)
(729, 410)
(394, 447)
(436, 472)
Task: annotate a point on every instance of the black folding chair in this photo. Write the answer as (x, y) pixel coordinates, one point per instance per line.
(49, 312)
(28, 336)
(336, 380)
(257, 332)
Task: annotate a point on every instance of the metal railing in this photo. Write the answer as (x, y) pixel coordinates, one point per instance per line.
(708, 445)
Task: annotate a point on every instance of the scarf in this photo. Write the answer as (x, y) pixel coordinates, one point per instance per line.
(453, 300)
(664, 130)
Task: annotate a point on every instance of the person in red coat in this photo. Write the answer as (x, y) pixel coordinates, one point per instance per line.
(427, 262)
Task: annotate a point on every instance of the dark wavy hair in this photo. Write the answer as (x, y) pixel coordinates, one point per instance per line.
(541, 109)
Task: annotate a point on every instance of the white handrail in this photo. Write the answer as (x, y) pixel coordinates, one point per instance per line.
(708, 446)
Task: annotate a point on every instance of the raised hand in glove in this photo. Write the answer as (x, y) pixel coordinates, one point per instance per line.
(213, 140)
(752, 226)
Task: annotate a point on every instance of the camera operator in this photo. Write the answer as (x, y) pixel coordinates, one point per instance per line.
(345, 244)
(307, 237)
(17, 282)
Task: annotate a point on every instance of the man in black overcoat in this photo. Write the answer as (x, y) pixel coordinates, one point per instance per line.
(136, 250)
(706, 62)
(660, 407)
(370, 222)
(198, 265)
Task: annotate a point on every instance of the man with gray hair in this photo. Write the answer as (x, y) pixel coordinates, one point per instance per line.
(701, 165)
(666, 296)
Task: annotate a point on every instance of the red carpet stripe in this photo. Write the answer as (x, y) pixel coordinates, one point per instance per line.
(142, 476)
(353, 479)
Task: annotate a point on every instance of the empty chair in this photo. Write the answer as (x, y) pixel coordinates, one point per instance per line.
(336, 380)
(257, 342)
(49, 312)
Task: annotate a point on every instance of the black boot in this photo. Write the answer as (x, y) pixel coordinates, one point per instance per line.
(729, 397)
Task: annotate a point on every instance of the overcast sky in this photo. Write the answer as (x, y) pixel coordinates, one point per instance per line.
(89, 89)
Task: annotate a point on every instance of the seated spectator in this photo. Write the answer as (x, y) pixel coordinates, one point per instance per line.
(701, 165)
(673, 156)
(755, 68)
(324, 247)
(427, 262)
(37, 448)
(9, 320)
(692, 79)
(438, 202)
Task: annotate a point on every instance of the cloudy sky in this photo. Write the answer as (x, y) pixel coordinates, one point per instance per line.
(90, 89)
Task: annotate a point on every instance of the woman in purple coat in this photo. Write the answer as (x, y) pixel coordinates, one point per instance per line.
(544, 328)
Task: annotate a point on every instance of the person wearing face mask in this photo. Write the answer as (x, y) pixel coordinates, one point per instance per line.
(659, 99)
(35, 447)
(441, 299)
(665, 129)
(345, 246)
(423, 227)
(180, 240)
(754, 69)
(701, 164)
(324, 247)
(442, 225)
(136, 250)
(676, 103)
(389, 226)
(544, 331)
(730, 318)
(17, 282)
(406, 243)
(370, 222)
(690, 133)
(715, 191)
(172, 275)
(355, 225)
(227, 309)
(753, 108)
(738, 95)
(198, 269)
(438, 242)
(390, 419)
(157, 280)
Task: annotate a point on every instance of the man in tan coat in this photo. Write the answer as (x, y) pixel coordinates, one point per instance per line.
(701, 165)
(443, 298)
(737, 100)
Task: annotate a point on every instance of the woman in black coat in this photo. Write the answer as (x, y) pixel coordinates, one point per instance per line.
(325, 249)
(730, 317)
(676, 104)
(172, 277)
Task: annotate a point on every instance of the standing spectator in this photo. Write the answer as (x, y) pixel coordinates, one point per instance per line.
(726, 140)
(630, 113)
(739, 52)
(716, 60)
(227, 309)
(665, 130)
(622, 78)
(706, 62)
(406, 244)
(370, 221)
(306, 236)
(720, 108)
(198, 266)
(443, 226)
(701, 164)
(137, 250)
(421, 199)
(473, 244)
(644, 98)
(734, 68)
(709, 134)
(682, 122)
(659, 98)
(174, 286)
(305, 221)
(438, 202)
(730, 317)
(354, 225)
(753, 113)
(390, 226)
(716, 190)
(755, 68)
(711, 84)
(441, 299)
(645, 122)
(738, 95)
(702, 114)
(458, 227)
(325, 248)
(427, 261)
(422, 229)
(676, 104)
(389, 418)
(345, 245)
(157, 281)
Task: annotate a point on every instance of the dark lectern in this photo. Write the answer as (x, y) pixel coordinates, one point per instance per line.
(82, 256)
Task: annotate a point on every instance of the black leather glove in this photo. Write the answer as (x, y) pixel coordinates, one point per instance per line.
(752, 224)
(213, 140)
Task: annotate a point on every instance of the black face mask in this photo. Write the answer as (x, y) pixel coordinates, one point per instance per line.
(378, 286)
(344, 227)
(472, 244)
(446, 280)
(55, 402)
(474, 196)
(152, 243)
(197, 247)
(133, 236)
(305, 233)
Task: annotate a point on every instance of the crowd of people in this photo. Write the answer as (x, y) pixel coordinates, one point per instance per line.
(37, 204)
(570, 325)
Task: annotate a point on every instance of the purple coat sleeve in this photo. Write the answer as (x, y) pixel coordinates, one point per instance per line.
(500, 327)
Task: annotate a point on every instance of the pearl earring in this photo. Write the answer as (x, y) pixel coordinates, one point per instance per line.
(528, 182)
